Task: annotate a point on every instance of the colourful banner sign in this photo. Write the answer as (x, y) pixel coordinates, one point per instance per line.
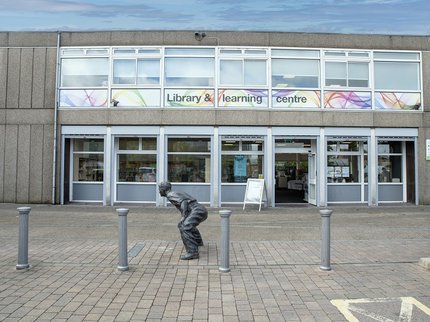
(296, 99)
(83, 98)
(347, 100)
(397, 101)
(243, 97)
(136, 97)
(189, 97)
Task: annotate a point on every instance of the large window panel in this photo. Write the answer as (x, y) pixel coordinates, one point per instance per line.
(88, 160)
(295, 73)
(397, 76)
(137, 167)
(241, 160)
(137, 159)
(124, 71)
(84, 72)
(246, 72)
(189, 160)
(347, 74)
(189, 71)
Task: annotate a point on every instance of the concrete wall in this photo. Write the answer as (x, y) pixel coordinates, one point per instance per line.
(27, 98)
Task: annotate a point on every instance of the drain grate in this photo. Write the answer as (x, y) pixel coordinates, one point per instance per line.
(136, 249)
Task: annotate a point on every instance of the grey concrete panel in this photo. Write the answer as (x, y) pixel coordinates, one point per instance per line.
(238, 117)
(243, 39)
(347, 118)
(2, 159)
(136, 117)
(296, 118)
(125, 38)
(13, 72)
(36, 163)
(32, 39)
(344, 193)
(26, 78)
(48, 143)
(179, 116)
(4, 39)
(83, 116)
(29, 116)
(398, 119)
(39, 69)
(50, 77)
(23, 164)
(3, 76)
(3, 116)
(86, 38)
(10, 163)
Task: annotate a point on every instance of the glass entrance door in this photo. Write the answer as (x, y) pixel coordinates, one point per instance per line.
(293, 182)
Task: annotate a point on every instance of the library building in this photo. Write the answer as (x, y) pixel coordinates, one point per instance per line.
(319, 119)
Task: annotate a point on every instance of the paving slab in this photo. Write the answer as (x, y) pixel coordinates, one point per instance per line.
(274, 261)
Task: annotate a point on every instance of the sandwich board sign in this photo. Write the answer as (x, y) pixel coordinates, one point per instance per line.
(255, 193)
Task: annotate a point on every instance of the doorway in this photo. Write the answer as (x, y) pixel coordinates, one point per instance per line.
(294, 171)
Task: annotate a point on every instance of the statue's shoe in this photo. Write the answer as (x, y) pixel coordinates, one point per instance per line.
(189, 256)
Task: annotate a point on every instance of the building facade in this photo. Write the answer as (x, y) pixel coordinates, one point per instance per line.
(324, 119)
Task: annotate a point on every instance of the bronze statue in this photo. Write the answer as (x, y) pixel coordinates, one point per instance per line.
(192, 214)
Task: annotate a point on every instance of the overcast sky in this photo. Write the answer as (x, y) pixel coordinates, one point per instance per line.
(393, 17)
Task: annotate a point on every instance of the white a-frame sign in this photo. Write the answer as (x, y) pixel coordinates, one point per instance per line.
(255, 192)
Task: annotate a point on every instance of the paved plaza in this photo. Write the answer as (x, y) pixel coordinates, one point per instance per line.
(275, 256)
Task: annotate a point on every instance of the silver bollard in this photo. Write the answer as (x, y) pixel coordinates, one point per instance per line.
(122, 238)
(23, 238)
(225, 241)
(325, 239)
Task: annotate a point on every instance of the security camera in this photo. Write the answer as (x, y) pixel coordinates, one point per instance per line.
(199, 35)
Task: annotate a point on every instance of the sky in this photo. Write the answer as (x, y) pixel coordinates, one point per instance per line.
(388, 17)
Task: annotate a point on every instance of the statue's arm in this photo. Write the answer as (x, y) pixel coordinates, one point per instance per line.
(184, 208)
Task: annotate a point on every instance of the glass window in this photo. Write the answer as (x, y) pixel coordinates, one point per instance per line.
(189, 160)
(84, 72)
(390, 161)
(396, 55)
(140, 72)
(148, 71)
(88, 145)
(241, 159)
(295, 53)
(128, 143)
(124, 71)
(137, 167)
(189, 145)
(295, 73)
(251, 72)
(397, 76)
(88, 160)
(190, 51)
(343, 168)
(346, 161)
(141, 164)
(347, 74)
(189, 71)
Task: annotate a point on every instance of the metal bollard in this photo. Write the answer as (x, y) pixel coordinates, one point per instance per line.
(23, 238)
(325, 239)
(122, 238)
(225, 241)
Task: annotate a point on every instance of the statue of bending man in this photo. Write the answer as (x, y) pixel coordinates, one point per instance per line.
(192, 214)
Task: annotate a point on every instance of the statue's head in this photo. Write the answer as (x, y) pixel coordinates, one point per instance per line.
(164, 187)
